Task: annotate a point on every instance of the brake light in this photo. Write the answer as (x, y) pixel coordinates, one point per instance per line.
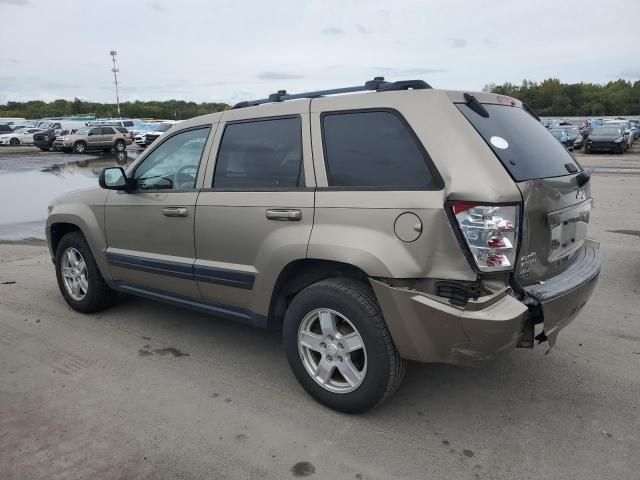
(490, 232)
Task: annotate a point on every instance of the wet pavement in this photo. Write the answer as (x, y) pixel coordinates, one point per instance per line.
(30, 180)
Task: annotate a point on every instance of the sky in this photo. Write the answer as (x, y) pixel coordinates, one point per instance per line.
(229, 51)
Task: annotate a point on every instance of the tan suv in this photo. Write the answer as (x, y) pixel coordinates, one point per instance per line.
(105, 138)
(406, 223)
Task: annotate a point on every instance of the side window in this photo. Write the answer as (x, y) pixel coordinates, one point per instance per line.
(95, 131)
(260, 154)
(107, 131)
(174, 164)
(127, 123)
(374, 149)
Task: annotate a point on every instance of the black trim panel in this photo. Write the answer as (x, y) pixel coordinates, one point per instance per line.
(220, 276)
(223, 276)
(224, 311)
(160, 267)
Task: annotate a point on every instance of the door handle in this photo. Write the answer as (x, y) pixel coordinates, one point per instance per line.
(175, 212)
(290, 214)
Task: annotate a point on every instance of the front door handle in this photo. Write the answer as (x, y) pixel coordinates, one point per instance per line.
(175, 212)
(290, 214)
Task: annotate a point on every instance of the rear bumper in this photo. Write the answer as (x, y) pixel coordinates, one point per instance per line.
(427, 328)
(562, 297)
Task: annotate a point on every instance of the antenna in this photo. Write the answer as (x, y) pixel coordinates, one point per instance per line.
(115, 71)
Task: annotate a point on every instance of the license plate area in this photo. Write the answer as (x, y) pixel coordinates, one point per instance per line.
(568, 230)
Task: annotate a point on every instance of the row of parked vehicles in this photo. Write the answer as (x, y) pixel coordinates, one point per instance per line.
(597, 135)
(80, 134)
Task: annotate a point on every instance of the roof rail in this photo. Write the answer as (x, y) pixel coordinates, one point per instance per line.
(378, 84)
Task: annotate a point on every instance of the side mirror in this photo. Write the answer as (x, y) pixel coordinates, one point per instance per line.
(113, 178)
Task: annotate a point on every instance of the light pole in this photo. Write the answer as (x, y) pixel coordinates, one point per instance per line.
(115, 71)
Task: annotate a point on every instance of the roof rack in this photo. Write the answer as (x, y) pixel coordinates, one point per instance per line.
(378, 84)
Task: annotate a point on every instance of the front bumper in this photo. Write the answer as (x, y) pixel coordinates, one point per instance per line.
(62, 145)
(427, 328)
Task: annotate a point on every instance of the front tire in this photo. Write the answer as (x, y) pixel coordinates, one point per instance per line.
(339, 347)
(79, 279)
(79, 147)
(14, 142)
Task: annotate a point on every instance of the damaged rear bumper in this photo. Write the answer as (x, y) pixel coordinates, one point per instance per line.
(562, 297)
(427, 328)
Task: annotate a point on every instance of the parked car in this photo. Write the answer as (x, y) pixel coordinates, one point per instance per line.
(562, 135)
(147, 138)
(5, 128)
(92, 138)
(20, 137)
(127, 134)
(347, 222)
(606, 138)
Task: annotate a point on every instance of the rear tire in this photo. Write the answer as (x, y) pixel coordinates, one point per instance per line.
(93, 293)
(120, 146)
(351, 304)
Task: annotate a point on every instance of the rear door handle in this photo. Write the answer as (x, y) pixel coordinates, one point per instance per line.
(290, 214)
(175, 212)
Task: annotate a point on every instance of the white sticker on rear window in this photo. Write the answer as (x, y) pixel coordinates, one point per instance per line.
(499, 142)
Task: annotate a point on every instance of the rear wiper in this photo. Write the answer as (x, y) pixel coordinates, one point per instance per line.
(473, 103)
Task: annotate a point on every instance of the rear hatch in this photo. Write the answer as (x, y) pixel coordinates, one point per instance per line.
(555, 209)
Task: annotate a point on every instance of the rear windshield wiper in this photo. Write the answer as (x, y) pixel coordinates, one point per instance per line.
(473, 103)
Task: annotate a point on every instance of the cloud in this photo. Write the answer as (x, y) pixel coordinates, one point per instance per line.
(401, 72)
(332, 31)
(490, 42)
(157, 6)
(363, 30)
(15, 61)
(457, 42)
(629, 73)
(278, 76)
(15, 2)
(423, 71)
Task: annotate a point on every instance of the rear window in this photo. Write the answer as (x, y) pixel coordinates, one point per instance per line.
(526, 149)
(374, 149)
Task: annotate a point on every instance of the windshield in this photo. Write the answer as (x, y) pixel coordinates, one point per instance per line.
(558, 133)
(521, 143)
(83, 130)
(163, 127)
(606, 131)
(145, 127)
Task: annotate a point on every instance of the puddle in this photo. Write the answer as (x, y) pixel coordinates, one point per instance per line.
(28, 183)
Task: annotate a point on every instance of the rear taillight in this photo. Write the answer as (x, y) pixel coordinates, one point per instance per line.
(490, 232)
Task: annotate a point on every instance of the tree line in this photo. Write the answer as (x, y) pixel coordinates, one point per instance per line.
(169, 109)
(548, 98)
(554, 98)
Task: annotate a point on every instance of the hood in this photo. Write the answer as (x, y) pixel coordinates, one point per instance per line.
(604, 138)
(85, 196)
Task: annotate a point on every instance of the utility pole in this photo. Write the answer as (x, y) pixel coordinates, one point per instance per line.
(115, 71)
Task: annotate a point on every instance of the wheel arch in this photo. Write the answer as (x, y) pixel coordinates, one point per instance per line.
(84, 221)
(299, 274)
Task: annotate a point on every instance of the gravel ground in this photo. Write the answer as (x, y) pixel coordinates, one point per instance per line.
(149, 391)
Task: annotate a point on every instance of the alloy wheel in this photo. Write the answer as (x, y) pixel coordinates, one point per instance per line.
(332, 350)
(74, 274)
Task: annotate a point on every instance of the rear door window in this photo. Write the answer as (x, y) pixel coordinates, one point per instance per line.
(260, 154)
(374, 149)
(107, 131)
(524, 147)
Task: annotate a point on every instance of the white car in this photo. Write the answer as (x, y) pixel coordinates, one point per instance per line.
(21, 137)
